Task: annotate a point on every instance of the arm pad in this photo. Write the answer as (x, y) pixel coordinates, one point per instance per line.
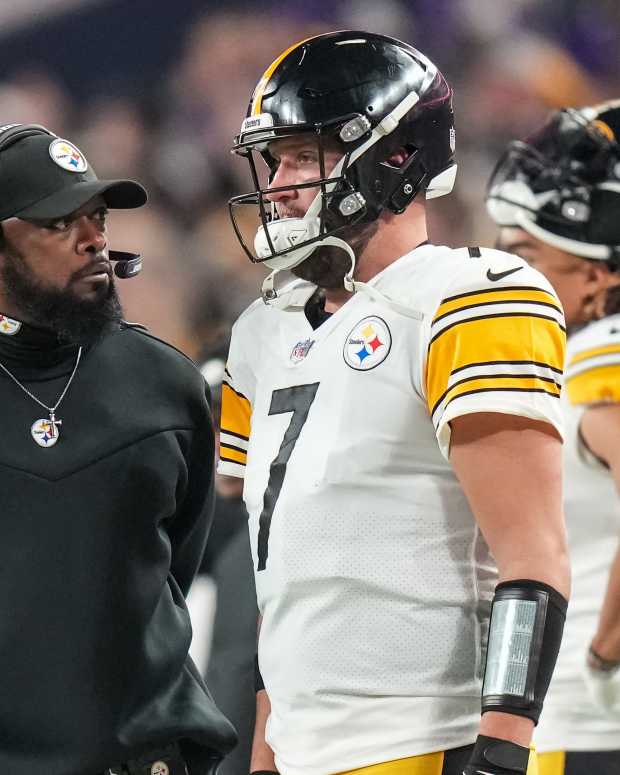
(525, 632)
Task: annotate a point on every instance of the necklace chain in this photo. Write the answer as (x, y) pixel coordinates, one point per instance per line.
(50, 409)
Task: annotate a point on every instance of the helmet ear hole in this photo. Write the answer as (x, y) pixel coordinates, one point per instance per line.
(400, 156)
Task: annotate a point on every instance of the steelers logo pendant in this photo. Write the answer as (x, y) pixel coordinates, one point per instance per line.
(45, 432)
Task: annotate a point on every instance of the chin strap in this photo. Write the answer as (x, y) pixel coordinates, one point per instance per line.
(270, 294)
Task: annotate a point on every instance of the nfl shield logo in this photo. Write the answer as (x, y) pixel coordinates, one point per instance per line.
(301, 349)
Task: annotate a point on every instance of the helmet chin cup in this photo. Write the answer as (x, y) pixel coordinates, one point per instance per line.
(284, 234)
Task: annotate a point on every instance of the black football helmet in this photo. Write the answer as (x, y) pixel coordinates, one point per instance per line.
(562, 184)
(370, 94)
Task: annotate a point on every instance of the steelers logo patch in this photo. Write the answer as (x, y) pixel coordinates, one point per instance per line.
(368, 344)
(67, 156)
(8, 326)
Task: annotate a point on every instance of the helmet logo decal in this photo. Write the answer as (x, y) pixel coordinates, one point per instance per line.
(368, 344)
(67, 156)
(257, 122)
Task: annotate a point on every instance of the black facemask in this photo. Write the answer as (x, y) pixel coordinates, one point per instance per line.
(74, 320)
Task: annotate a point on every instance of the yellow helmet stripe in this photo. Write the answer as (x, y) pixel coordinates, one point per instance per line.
(257, 98)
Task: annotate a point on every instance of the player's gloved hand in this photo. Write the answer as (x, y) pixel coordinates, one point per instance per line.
(602, 679)
(492, 756)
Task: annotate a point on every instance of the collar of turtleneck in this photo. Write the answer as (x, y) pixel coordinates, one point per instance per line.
(33, 352)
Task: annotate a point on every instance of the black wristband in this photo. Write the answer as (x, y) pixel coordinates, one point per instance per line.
(497, 757)
(258, 679)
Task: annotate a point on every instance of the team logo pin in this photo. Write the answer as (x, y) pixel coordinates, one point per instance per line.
(8, 326)
(67, 156)
(301, 349)
(160, 768)
(368, 344)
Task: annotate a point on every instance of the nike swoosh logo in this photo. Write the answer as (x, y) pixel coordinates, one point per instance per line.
(495, 276)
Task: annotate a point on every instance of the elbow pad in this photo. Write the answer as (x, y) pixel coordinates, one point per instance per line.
(525, 632)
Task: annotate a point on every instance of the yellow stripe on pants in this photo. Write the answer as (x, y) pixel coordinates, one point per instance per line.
(427, 764)
(432, 764)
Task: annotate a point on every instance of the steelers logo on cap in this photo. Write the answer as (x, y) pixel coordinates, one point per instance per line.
(67, 156)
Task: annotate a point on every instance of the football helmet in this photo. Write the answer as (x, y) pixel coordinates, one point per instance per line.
(562, 184)
(372, 96)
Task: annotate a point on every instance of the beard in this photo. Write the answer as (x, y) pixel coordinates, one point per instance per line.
(328, 265)
(72, 319)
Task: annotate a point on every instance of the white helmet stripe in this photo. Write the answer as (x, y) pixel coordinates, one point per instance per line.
(584, 249)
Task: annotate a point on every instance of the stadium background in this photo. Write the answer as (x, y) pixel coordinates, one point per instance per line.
(156, 91)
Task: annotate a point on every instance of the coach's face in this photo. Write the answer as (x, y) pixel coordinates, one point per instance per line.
(68, 254)
(57, 274)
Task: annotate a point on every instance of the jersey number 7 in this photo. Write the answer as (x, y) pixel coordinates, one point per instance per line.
(297, 400)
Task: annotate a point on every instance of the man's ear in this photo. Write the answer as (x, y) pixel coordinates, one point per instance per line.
(600, 280)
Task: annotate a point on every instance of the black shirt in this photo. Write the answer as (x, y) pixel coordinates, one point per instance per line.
(100, 537)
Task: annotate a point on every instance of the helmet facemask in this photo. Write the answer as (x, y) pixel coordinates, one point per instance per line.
(562, 186)
(283, 242)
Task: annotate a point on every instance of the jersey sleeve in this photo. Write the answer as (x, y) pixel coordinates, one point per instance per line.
(593, 364)
(236, 416)
(496, 344)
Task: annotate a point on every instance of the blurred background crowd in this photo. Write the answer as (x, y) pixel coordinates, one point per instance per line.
(156, 91)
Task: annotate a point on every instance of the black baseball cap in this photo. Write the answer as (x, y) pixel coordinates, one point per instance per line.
(44, 176)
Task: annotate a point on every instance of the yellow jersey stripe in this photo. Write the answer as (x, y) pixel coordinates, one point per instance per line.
(490, 385)
(480, 304)
(496, 315)
(516, 293)
(502, 339)
(257, 97)
(520, 382)
(230, 387)
(512, 363)
(595, 385)
(233, 454)
(236, 413)
(594, 352)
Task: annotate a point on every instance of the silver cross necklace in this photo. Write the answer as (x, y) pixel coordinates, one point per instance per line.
(46, 431)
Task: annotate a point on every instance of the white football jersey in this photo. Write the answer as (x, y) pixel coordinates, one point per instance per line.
(372, 578)
(569, 720)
